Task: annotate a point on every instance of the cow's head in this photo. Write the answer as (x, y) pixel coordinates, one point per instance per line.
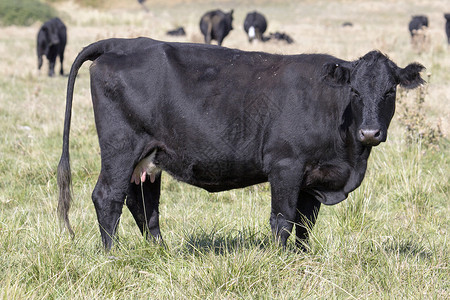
(51, 34)
(372, 81)
(229, 20)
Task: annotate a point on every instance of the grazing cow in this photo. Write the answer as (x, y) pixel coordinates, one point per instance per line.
(177, 32)
(215, 25)
(51, 42)
(417, 23)
(347, 24)
(280, 36)
(222, 119)
(417, 29)
(255, 25)
(447, 26)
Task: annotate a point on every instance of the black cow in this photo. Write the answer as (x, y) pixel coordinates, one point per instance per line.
(447, 26)
(280, 36)
(417, 23)
(177, 32)
(255, 25)
(223, 119)
(51, 42)
(215, 25)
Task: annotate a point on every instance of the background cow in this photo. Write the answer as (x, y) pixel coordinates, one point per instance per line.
(177, 32)
(447, 26)
(222, 119)
(280, 36)
(215, 25)
(417, 29)
(417, 23)
(51, 42)
(255, 25)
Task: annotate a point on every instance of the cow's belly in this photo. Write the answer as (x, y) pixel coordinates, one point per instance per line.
(222, 175)
(212, 173)
(217, 176)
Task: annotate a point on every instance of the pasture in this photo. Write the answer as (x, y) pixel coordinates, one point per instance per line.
(388, 240)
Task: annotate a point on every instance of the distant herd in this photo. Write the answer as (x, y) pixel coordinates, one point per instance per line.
(214, 25)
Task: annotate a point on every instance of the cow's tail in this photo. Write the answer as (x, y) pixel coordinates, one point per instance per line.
(64, 176)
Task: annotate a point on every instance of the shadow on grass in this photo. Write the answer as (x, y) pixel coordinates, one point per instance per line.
(407, 248)
(222, 242)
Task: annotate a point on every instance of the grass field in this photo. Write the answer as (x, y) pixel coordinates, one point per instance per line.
(388, 240)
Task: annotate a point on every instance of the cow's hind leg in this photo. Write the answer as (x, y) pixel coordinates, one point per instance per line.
(208, 39)
(143, 203)
(258, 34)
(220, 40)
(307, 210)
(112, 185)
(108, 197)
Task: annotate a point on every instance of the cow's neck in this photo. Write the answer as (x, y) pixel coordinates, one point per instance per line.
(356, 157)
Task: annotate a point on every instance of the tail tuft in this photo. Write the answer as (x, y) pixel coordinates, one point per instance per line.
(65, 197)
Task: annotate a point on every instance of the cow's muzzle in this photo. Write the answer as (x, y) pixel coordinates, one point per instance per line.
(54, 41)
(371, 137)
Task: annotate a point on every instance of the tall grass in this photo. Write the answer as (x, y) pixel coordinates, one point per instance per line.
(388, 240)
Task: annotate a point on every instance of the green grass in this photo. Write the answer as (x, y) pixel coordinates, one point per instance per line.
(388, 240)
(24, 12)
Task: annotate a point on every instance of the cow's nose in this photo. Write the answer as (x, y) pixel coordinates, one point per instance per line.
(370, 137)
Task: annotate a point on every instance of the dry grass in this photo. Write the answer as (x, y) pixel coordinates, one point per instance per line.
(389, 240)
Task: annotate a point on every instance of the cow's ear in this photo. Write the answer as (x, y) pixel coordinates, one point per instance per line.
(409, 77)
(336, 74)
(231, 12)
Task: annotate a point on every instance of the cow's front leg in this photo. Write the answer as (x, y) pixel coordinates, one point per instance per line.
(40, 61)
(51, 56)
(51, 68)
(285, 186)
(61, 59)
(51, 64)
(143, 203)
(307, 210)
